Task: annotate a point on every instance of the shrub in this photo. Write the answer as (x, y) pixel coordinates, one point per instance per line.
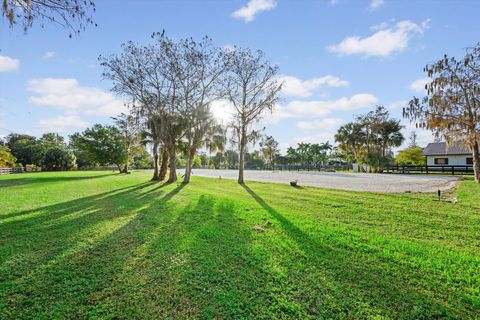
(32, 168)
(6, 157)
(411, 156)
(197, 162)
(59, 159)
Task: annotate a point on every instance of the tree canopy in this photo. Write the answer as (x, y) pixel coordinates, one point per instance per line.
(370, 138)
(451, 107)
(73, 15)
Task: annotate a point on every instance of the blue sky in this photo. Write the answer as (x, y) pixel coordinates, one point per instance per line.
(337, 58)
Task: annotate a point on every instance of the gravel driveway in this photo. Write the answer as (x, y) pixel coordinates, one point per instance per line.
(391, 183)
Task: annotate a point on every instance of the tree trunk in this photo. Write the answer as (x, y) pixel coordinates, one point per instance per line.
(120, 169)
(172, 177)
(241, 160)
(476, 161)
(188, 168)
(156, 176)
(164, 165)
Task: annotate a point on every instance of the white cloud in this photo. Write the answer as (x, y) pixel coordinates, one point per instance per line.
(419, 84)
(374, 4)
(62, 123)
(224, 112)
(384, 42)
(324, 124)
(69, 96)
(424, 136)
(49, 55)
(295, 87)
(8, 64)
(320, 108)
(253, 7)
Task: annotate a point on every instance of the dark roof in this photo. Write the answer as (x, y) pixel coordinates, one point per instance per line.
(441, 148)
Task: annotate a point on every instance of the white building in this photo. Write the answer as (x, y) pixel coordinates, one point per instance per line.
(439, 154)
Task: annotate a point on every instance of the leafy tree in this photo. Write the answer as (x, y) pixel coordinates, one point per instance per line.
(74, 15)
(197, 162)
(231, 159)
(411, 156)
(293, 156)
(218, 160)
(51, 140)
(6, 157)
(252, 88)
(451, 108)
(371, 138)
(142, 160)
(130, 131)
(204, 159)
(254, 160)
(106, 145)
(84, 157)
(58, 159)
(27, 151)
(269, 149)
(12, 138)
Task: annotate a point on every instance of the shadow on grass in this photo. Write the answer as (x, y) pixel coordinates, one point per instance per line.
(58, 269)
(383, 285)
(37, 177)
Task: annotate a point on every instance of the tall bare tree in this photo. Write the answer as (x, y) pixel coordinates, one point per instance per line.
(146, 76)
(252, 88)
(198, 67)
(73, 15)
(451, 108)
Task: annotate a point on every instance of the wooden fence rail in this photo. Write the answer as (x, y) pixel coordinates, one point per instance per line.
(431, 169)
(310, 167)
(11, 170)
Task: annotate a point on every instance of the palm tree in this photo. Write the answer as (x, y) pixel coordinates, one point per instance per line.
(303, 152)
(350, 138)
(203, 132)
(151, 135)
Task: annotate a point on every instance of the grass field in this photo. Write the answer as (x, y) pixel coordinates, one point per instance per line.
(104, 245)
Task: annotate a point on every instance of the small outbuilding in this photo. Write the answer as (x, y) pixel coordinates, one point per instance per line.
(441, 154)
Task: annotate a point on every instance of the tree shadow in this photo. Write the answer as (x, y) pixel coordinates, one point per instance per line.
(69, 206)
(35, 178)
(71, 278)
(364, 278)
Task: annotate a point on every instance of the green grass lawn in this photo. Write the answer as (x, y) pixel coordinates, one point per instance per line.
(104, 245)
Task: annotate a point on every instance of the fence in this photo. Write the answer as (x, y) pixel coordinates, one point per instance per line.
(431, 169)
(333, 167)
(11, 170)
